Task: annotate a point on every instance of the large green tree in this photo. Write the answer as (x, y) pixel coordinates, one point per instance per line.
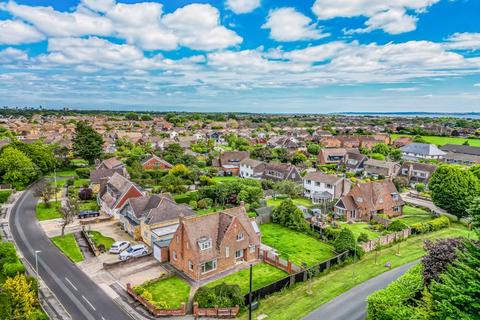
(87, 143)
(474, 212)
(16, 168)
(41, 154)
(453, 189)
(288, 215)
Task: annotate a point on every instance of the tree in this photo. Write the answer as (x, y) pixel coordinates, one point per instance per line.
(180, 170)
(45, 190)
(288, 215)
(87, 142)
(454, 188)
(439, 255)
(474, 212)
(288, 187)
(40, 154)
(313, 148)
(23, 299)
(299, 157)
(381, 148)
(69, 211)
(346, 242)
(16, 168)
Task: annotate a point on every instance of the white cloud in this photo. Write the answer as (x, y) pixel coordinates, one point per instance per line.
(476, 85)
(242, 6)
(99, 5)
(287, 24)
(198, 27)
(464, 41)
(17, 32)
(10, 55)
(391, 16)
(401, 89)
(316, 53)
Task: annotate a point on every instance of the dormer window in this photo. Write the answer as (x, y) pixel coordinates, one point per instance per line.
(395, 196)
(205, 243)
(240, 236)
(359, 199)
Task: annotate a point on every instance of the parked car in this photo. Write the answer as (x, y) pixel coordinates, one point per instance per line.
(119, 246)
(88, 214)
(133, 252)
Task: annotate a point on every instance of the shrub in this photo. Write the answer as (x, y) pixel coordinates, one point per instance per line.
(222, 295)
(420, 187)
(193, 204)
(70, 182)
(204, 203)
(419, 228)
(440, 254)
(83, 172)
(4, 195)
(185, 197)
(331, 233)
(85, 194)
(432, 225)
(397, 225)
(346, 242)
(11, 269)
(363, 237)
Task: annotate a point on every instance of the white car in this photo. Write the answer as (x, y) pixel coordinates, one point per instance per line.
(119, 246)
(133, 252)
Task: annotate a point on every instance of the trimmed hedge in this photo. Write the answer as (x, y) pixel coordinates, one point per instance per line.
(432, 225)
(83, 172)
(392, 303)
(4, 195)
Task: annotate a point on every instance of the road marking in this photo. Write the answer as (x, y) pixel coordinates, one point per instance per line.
(91, 305)
(103, 318)
(70, 282)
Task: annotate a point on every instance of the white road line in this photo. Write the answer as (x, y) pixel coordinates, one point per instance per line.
(70, 282)
(91, 305)
(103, 318)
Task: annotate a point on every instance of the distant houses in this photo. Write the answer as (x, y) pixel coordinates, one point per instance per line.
(421, 151)
(460, 154)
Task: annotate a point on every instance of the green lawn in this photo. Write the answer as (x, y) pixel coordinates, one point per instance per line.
(78, 183)
(225, 179)
(66, 173)
(263, 275)
(100, 239)
(295, 246)
(68, 245)
(361, 227)
(412, 215)
(443, 140)
(89, 205)
(44, 213)
(172, 291)
(295, 303)
(296, 201)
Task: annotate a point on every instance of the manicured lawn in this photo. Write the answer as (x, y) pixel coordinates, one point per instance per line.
(295, 303)
(78, 183)
(225, 179)
(172, 291)
(412, 215)
(295, 246)
(68, 245)
(66, 173)
(361, 227)
(44, 213)
(263, 274)
(89, 205)
(296, 201)
(99, 239)
(443, 140)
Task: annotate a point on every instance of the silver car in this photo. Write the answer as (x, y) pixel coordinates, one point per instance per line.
(133, 252)
(119, 246)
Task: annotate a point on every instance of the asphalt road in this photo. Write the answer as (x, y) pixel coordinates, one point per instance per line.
(80, 296)
(352, 305)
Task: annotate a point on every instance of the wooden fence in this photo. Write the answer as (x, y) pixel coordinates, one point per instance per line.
(386, 239)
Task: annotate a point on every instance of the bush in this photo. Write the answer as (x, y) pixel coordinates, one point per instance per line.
(331, 233)
(83, 172)
(346, 242)
(85, 194)
(204, 203)
(420, 187)
(391, 303)
(185, 197)
(432, 225)
(363, 237)
(397, 225)
(222, 295)
(193, 204)
(4, 195)
(11, 269)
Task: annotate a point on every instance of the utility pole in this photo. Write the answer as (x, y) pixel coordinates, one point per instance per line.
(55, 181)
(250, 294)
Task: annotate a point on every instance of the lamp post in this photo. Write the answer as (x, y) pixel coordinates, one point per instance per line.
(55, 181)
(250, 294)
(36, 262)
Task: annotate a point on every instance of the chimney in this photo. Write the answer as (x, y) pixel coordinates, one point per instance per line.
(181, 217)
(242, 203)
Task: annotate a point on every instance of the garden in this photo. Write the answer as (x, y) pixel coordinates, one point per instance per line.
(46, 213)
(101, 242)
(412, 215)
(69, 246)
(263, 275)
(165, 293)
(295, 246)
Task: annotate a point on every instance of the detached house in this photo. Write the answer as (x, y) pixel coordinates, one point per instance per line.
(354, 162)
(376, 168)
(111, 163)
(459, 154)
(115, 192)
(155, 163)
(320, 187)
(421, 151)
(99, 177)
(153, 219)
(250, 168)
(334, 155)
(204, 246)
(414, 172)
(281, 171)
(368, 199)
(229, 162)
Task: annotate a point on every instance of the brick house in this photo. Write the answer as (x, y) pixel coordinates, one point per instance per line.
(411, 173)
(376, 168)
(115, 192)
(367, 199)
(101, 176)
(229, 162)
(334, 155)
(204, 246)
(155, 163)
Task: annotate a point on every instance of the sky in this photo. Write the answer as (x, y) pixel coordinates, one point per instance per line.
(267, 56)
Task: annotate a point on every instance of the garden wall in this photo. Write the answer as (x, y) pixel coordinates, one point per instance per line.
(154, 310)
(215, 312)
(274, 260)
(387, 239)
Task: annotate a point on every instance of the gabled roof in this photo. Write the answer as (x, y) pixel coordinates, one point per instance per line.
(381, 163)
(100, 174)
(156, 158)
(319, 176)
(418, 166)
(375, 195)
(455, 148)
(423, 149)
(111, 163)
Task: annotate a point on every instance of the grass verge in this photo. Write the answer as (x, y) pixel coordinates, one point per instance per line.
(44, 213)
(170, 292)
(69, 246)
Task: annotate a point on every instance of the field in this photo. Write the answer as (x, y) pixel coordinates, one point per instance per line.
(361, 227)
(443, 140)
(172, 291)
(295, 246)
(412, 215)
(68, 245)
(295, 303)
(263, 274)
(44, 213)
(296, 201)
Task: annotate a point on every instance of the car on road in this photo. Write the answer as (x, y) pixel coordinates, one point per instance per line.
(119, 246)
(133, 252)
(88, 213)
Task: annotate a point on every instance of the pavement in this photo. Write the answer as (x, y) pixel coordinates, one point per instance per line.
(421, 202)
(352, 305)
(79, 295)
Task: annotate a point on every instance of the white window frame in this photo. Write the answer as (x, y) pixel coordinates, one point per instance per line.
(214, 266)
(240, 236)
(205, 245)
(227, 252)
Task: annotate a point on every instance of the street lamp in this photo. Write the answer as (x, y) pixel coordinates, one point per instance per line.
(250, 294)
(36, 261)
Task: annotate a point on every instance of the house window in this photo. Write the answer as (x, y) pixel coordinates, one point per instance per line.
(190, 265)
(359, 199)
(174, 255)
(239, 254)
(177, 239)
(240, 236)
(252, 248)
(205, 244)
(227, 252)
(329, 186)
(395, 196)
(209, 266)
(317, 184)
(397, 209)
(353, 214)
(309, 181)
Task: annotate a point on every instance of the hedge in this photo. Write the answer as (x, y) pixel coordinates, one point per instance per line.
(185, 197)
(83, 172)
(432, 225)
(391, 303)
(4, 195)
(222, 295)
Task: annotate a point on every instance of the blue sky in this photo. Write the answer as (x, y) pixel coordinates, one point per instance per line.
(315, 56)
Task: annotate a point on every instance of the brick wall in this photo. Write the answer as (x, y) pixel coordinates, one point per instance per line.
(215, 312)
(154, 310)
